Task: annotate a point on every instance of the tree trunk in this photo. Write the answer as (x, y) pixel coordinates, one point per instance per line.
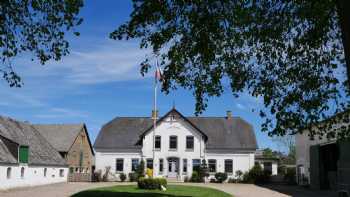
(343, 7)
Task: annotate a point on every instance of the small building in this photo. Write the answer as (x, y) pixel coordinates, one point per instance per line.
(26, 158)
(267, 163)
(323, 163)
(177, 146)
(73, 143)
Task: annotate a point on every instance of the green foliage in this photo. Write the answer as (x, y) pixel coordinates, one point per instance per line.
(151, 183)
(239, 174)
(38, 27)
(195, 177)
(133, 177)
(203, 170)
(290, 176)
(122, 177)
(140, 170)
(288, 53)
(220, 177)
(256, 175)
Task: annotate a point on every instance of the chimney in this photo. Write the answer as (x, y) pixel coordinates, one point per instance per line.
(228, 115)
(154, 114)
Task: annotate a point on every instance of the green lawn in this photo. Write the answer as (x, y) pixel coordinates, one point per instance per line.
(133, 191)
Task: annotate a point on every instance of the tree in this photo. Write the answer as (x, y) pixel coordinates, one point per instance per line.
(289, 53)
(35, 26)
(268, 153)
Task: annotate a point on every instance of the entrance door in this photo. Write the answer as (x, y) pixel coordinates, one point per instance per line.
(173, 164)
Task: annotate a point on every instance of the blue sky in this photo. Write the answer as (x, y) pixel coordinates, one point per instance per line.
(100, 80)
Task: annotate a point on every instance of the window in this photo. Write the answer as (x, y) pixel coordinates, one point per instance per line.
(81, 157)
(196, 164)
(228, 166)
(189, 142)
(71, 170)
(134, 164)
(119, 165)
(149, 163)
(45, 172)
(173, 142)
(8, 173)
(22, 172)
(23, 154)
(212, 165)
(157, 142)
(184, 167)
(61, 173)
(161, 165)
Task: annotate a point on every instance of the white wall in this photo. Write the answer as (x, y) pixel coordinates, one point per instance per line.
(243, 162)
(32, 176)
(167, 128)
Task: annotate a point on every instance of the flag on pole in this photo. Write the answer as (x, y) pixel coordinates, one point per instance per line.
(158, 76)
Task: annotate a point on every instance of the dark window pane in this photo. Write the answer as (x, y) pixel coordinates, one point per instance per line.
(149, 163)
(120, 165)
(161, 165)
(134, 164)
(157, 142)
(184, 165)
(228, 166)
(196, 164)
(173, 142)
(189, 142)
(212, 165)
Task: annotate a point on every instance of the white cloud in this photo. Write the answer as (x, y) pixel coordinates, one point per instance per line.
(62, 113)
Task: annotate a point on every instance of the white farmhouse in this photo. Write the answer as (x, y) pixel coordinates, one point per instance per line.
(180, 144)
(26, 158)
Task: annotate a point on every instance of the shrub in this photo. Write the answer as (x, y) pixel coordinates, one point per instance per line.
(151, 183)
(246, 178)
(290, 176)
(203, 171)
(232, 180)
(195, 177)
(140, 170)
(220, 177)
(122, 177)
(133, 177)
(105, 175)
(186, 179)
(256, 175)
(239, 174)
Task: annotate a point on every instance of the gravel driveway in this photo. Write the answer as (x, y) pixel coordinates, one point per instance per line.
(237, 190)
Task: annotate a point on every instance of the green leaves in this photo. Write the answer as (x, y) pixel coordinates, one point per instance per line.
(287, 52)
(35, 26)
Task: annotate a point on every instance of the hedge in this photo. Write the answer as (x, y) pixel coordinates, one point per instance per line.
(151, 183)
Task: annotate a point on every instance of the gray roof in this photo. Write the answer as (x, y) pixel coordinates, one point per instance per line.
(5, 154)
(60, 136)
(223, 134)
(22, 133)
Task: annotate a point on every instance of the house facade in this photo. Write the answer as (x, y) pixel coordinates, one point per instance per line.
(177, 146)
(269, 164)
(73, 143)
(26, 158)
(323, 163)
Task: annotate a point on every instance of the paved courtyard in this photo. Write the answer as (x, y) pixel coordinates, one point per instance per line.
(237, 190)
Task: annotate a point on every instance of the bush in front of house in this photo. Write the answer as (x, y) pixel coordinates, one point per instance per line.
(140, 170)
(122, 177)
(220, 177)
(133, 177)
(195, 177)
(256, 175)
(290, 176)
(151, 183)
(239, 175)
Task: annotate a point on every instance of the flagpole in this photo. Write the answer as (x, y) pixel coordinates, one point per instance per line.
(154, 119)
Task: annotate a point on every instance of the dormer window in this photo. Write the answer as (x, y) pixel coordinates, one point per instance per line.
(23, 154)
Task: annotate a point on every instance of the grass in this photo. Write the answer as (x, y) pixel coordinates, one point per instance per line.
(133, 191)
